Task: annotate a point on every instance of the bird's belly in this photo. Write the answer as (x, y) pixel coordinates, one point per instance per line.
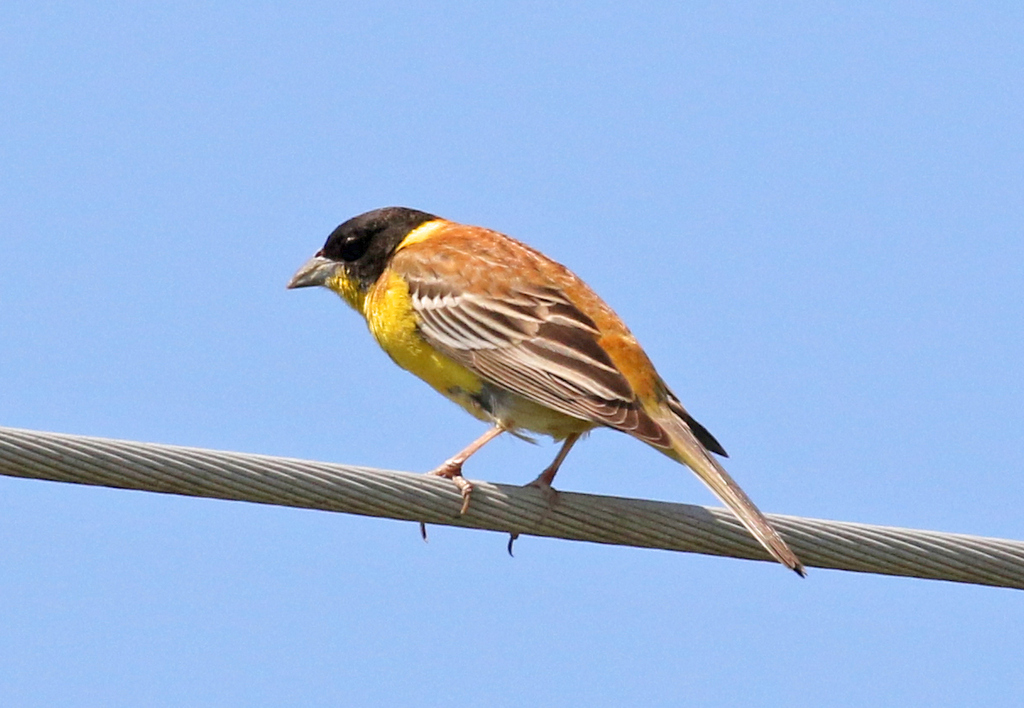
(516, 412)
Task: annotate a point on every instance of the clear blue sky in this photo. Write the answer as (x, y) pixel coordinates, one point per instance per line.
(811, 216)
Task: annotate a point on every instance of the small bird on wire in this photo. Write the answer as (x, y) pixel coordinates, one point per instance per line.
(517, 340)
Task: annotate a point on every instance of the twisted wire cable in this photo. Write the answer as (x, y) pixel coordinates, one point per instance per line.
(516, 510)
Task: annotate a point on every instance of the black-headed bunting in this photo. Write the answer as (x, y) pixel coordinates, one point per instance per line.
(517, 340)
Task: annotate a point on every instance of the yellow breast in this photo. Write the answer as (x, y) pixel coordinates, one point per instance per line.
(389, 314)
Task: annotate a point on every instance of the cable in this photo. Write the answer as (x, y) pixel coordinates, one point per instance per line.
(498, 507)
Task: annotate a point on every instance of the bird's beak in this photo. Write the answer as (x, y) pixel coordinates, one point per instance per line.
(315, 271)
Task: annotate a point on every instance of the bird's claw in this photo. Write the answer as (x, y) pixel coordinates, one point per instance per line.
(453, 471)
(551, 495)
(512, 539)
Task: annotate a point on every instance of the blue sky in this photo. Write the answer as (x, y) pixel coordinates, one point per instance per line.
(811, 217)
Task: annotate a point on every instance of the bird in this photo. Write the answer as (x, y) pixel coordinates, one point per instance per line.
(518, 341)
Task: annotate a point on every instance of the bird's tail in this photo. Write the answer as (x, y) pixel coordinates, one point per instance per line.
(687, 449)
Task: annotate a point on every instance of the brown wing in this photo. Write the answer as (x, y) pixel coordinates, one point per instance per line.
(501, 310)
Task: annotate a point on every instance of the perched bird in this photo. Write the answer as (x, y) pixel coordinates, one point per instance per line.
(517, 340)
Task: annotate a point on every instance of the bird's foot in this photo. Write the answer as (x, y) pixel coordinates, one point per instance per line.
(551, 496)
(453, 470)
(543, 483)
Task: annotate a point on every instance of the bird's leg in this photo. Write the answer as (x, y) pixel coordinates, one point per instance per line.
(452, 467)
(544, 480)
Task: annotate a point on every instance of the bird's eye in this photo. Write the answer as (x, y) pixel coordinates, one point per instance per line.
(352, 249)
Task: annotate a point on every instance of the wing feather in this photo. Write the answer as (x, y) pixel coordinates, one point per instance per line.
(534, 342)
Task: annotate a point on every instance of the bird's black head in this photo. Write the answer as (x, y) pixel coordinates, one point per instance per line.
(365, 243)
(358, 251)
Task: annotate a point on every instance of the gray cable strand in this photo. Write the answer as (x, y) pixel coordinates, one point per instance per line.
(498, 507)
